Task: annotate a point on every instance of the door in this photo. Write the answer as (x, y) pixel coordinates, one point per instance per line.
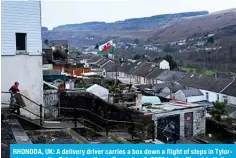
(188, 124)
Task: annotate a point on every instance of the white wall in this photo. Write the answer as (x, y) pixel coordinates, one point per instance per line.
(212, 95)
(27, 70)
(122, 74)
(180, 96)
(21, 17)
(164, 65)
(111, 74)
(231, 100)
(195, 98)
(143, 80)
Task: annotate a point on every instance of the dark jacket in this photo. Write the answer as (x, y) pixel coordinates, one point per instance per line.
(14, 89)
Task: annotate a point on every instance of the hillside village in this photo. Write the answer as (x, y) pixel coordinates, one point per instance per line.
(81, 97)
(147, 79)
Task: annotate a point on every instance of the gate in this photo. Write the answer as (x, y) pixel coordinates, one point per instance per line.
(51, 103)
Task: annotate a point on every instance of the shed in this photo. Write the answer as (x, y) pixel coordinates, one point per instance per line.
(99, 91)
(150, 99)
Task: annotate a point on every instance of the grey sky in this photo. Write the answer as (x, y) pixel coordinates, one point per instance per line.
(61, 12)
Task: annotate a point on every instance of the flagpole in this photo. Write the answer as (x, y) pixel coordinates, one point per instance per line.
(115, 67)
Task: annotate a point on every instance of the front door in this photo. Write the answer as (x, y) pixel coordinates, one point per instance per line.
(188, 124)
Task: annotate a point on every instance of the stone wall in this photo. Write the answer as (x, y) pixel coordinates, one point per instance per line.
(199, 120)
(105, 110)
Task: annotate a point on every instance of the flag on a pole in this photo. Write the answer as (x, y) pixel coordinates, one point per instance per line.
(106, 48)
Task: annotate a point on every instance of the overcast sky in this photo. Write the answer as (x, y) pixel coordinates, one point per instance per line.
(59, 12)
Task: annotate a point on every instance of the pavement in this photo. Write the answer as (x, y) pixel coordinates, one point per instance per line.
(20, 136)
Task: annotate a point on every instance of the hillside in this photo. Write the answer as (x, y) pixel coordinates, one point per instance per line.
(94, 32)
(219, 23)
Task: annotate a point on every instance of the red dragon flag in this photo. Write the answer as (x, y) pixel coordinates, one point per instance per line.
(106, 48)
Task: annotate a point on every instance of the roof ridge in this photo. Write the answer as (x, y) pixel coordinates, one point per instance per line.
(228, 84)
(142, 64)
(106, 63)
(151, 72)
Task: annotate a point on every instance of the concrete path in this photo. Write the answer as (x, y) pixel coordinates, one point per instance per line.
(20, 136)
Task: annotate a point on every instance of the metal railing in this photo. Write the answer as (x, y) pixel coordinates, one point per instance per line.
(76, 110)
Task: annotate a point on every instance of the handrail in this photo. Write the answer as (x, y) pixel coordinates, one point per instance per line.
(24, 109)
(75, 118)
(115, 121)
(91, 123)
(65, 108)
(22, 96)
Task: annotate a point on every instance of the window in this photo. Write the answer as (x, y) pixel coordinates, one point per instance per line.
(218, 97)
(225, 99)
(144, 80)
(20, 41)
(207, 96)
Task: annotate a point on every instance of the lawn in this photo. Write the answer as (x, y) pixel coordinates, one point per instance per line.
(187, 69)
(205, 72)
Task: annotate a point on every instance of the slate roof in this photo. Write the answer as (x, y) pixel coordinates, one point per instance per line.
(172, 86)
(231, 89)
(170, 76)
(209, 83)
(95, 58)
(82, 57)
(163, 94)
(103, 61)
(144, 69)
(143, 86)
(109, 66)
(191, 92)
(156, 72)
(125, 67)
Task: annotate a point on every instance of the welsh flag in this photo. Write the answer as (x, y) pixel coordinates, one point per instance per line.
(106, 48)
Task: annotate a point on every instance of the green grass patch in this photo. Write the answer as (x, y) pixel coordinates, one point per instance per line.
(209, 72)
(117, 140)
(188, 69)
(204, 72)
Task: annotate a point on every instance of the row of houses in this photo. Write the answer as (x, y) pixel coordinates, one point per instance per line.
(163, 82)
(194, 87)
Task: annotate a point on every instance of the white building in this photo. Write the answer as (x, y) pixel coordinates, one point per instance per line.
(22, 49)
(164, 65)
(213, 88)
(189, 95)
